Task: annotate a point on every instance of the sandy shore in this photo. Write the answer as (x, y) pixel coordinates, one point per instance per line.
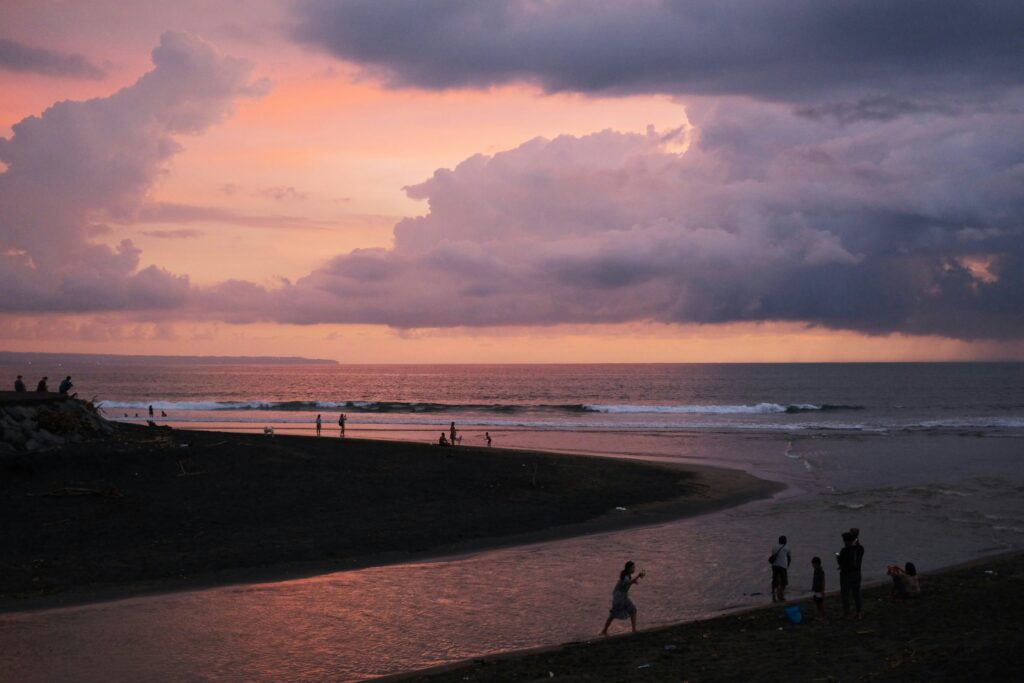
(966, 626)
(152, 510)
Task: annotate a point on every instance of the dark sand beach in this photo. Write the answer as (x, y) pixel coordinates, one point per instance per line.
(149, 510)
(965, 626)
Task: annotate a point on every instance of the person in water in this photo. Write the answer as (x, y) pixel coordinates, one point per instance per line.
(622, 606)
(19, 384)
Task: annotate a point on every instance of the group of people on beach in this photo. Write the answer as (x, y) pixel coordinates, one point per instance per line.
(456, 438)
(849, 559)
(42, 387)
(341, 424)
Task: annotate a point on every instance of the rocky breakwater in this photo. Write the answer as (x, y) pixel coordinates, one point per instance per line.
(39, 422)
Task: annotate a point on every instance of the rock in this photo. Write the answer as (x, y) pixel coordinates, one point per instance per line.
(49, 426)
(20, 413)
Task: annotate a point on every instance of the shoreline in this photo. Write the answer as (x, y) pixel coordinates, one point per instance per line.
(592, 659)
(706, 489)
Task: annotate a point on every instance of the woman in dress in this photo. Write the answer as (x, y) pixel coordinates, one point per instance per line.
(622, 606)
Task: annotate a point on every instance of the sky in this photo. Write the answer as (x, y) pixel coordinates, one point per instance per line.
(514, 180)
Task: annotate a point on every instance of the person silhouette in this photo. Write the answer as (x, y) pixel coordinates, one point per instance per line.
(849, 559)
(65, 386)
(452, 433)
(622, 606)
(341, 424)
(151, 411)
(19, 384)
(41, 387)
(780, 560)
(487, 435)
(318, 425)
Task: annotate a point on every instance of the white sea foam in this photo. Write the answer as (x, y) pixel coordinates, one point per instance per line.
(690, 409)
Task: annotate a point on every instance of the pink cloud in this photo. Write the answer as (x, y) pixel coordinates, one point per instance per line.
(79, 162)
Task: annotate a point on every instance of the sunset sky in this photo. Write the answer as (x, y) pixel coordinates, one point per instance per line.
(514, 181)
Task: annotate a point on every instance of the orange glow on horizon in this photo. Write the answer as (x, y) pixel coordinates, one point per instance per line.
(368, 344)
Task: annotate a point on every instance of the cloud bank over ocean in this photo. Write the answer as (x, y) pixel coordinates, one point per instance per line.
(853, 166)
(909, 226)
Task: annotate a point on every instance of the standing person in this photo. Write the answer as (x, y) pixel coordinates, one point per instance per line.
(151, 411)
(487, 435)
(451, 433)
(66, 385)
(622, 606)
(850, 558)
(41, 387)
(319, 423)
(19, 384)
(818, 587)
(780, 560)
(341, 424)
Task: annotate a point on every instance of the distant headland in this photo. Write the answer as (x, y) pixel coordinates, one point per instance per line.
(105, 359)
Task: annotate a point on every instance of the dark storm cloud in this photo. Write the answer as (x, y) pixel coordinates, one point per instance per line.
(15, 56)
(789, 50)
(909, 225)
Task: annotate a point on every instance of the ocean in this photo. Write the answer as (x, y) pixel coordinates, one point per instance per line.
(927, 460)
(787, 398)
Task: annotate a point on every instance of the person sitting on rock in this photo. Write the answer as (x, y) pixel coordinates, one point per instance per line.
(66, 385)
(41, 387)
(19, 384)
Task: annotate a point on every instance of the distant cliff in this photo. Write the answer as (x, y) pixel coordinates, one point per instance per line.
(105, 360)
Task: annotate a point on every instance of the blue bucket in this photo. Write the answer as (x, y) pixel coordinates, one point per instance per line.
(794, 614)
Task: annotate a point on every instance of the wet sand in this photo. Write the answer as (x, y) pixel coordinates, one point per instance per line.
(151, 510)
(966, 626)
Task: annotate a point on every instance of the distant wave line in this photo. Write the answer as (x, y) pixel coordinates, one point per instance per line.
(502, 408)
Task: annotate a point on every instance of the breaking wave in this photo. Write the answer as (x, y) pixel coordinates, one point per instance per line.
(690, 409)
(501, 408)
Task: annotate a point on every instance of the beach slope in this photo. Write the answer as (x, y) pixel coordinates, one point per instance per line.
(149, 509)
